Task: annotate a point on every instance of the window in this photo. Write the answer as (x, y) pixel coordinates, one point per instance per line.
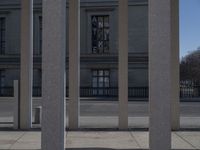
(40, 34)
(2, 81)
(100, 81)
(100, 34)
(2, 35)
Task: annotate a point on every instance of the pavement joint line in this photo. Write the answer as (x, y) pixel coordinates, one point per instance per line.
(138, 144)
(17, 140)
(186, 141)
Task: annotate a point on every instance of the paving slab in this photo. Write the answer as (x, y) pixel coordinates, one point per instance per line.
(179, 143)
(30, 140)
(142, 138)
(97, 139)
(7, 139)
(114, 140)
(191, 137)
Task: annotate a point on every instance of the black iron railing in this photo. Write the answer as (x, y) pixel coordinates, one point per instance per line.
(186, 91)
(6, 92)
(98, 92)
(37, 91)
(138, 92)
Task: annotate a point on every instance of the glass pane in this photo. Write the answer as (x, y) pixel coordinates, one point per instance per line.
(100, 91)
(94, 21)
(106, 21)
(94, 92)
(106, 34)
(100, 46)
(100, 72)
(100, 84)
(106, 73)
(106, 82)
(95, 73)
(94, 50)
(100, 22)
(94, 84)
(100, 34)
(106, 79)
(106, 46)
(101, 80)
(94, 34)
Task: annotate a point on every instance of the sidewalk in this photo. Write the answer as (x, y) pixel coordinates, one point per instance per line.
(112, 122)
(101, 140)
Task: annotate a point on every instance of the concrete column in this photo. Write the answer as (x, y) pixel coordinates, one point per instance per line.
(160, 73)
(74, 63)
(175, 103)
(123, 64)
(26, 64)
(16, 105)
(53, 74)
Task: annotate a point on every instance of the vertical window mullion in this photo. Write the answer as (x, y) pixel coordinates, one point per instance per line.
(103, 33)
(40, 34)
(2, 35)
(100, 30)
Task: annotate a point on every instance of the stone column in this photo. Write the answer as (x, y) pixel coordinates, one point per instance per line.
(26, 64)
(160, 73)
(16, 105)
(175, 104)
(53, 74)
(123, 64)
(74, 63)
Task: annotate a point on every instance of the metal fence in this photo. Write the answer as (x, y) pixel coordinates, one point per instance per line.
(6, 92)
(189, 89)
(137, 92)
(186, 91)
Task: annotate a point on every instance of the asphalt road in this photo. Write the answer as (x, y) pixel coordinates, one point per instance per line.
(110, 108)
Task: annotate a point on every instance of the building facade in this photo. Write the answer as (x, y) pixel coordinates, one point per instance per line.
(98, 47)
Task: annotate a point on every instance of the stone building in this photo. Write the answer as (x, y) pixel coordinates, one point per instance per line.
(98, 48)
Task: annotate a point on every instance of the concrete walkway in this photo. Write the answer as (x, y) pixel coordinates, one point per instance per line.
(191, 123)
(101, 140)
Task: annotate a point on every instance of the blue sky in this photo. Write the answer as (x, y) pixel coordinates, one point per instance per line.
(189, 26)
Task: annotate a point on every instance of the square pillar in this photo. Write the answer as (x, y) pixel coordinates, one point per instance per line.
(26, 67)
(74, 63)
(163, 72)
(161, 75)
(175, 101)
(123, 63)
(53, 74)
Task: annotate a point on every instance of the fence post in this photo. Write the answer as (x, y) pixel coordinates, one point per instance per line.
(16, 105)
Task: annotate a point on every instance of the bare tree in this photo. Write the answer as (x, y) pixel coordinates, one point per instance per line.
(190, 67)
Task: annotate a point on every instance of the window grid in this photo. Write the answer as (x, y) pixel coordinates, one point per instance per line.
(100, 81)
(2, 35)
(2, 81)
(100, 34)
(40, 34)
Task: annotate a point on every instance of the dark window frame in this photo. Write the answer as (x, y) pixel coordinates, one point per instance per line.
(2, 81)
(40, 34)
(2, 35)
(96, 74)
(95, 38)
